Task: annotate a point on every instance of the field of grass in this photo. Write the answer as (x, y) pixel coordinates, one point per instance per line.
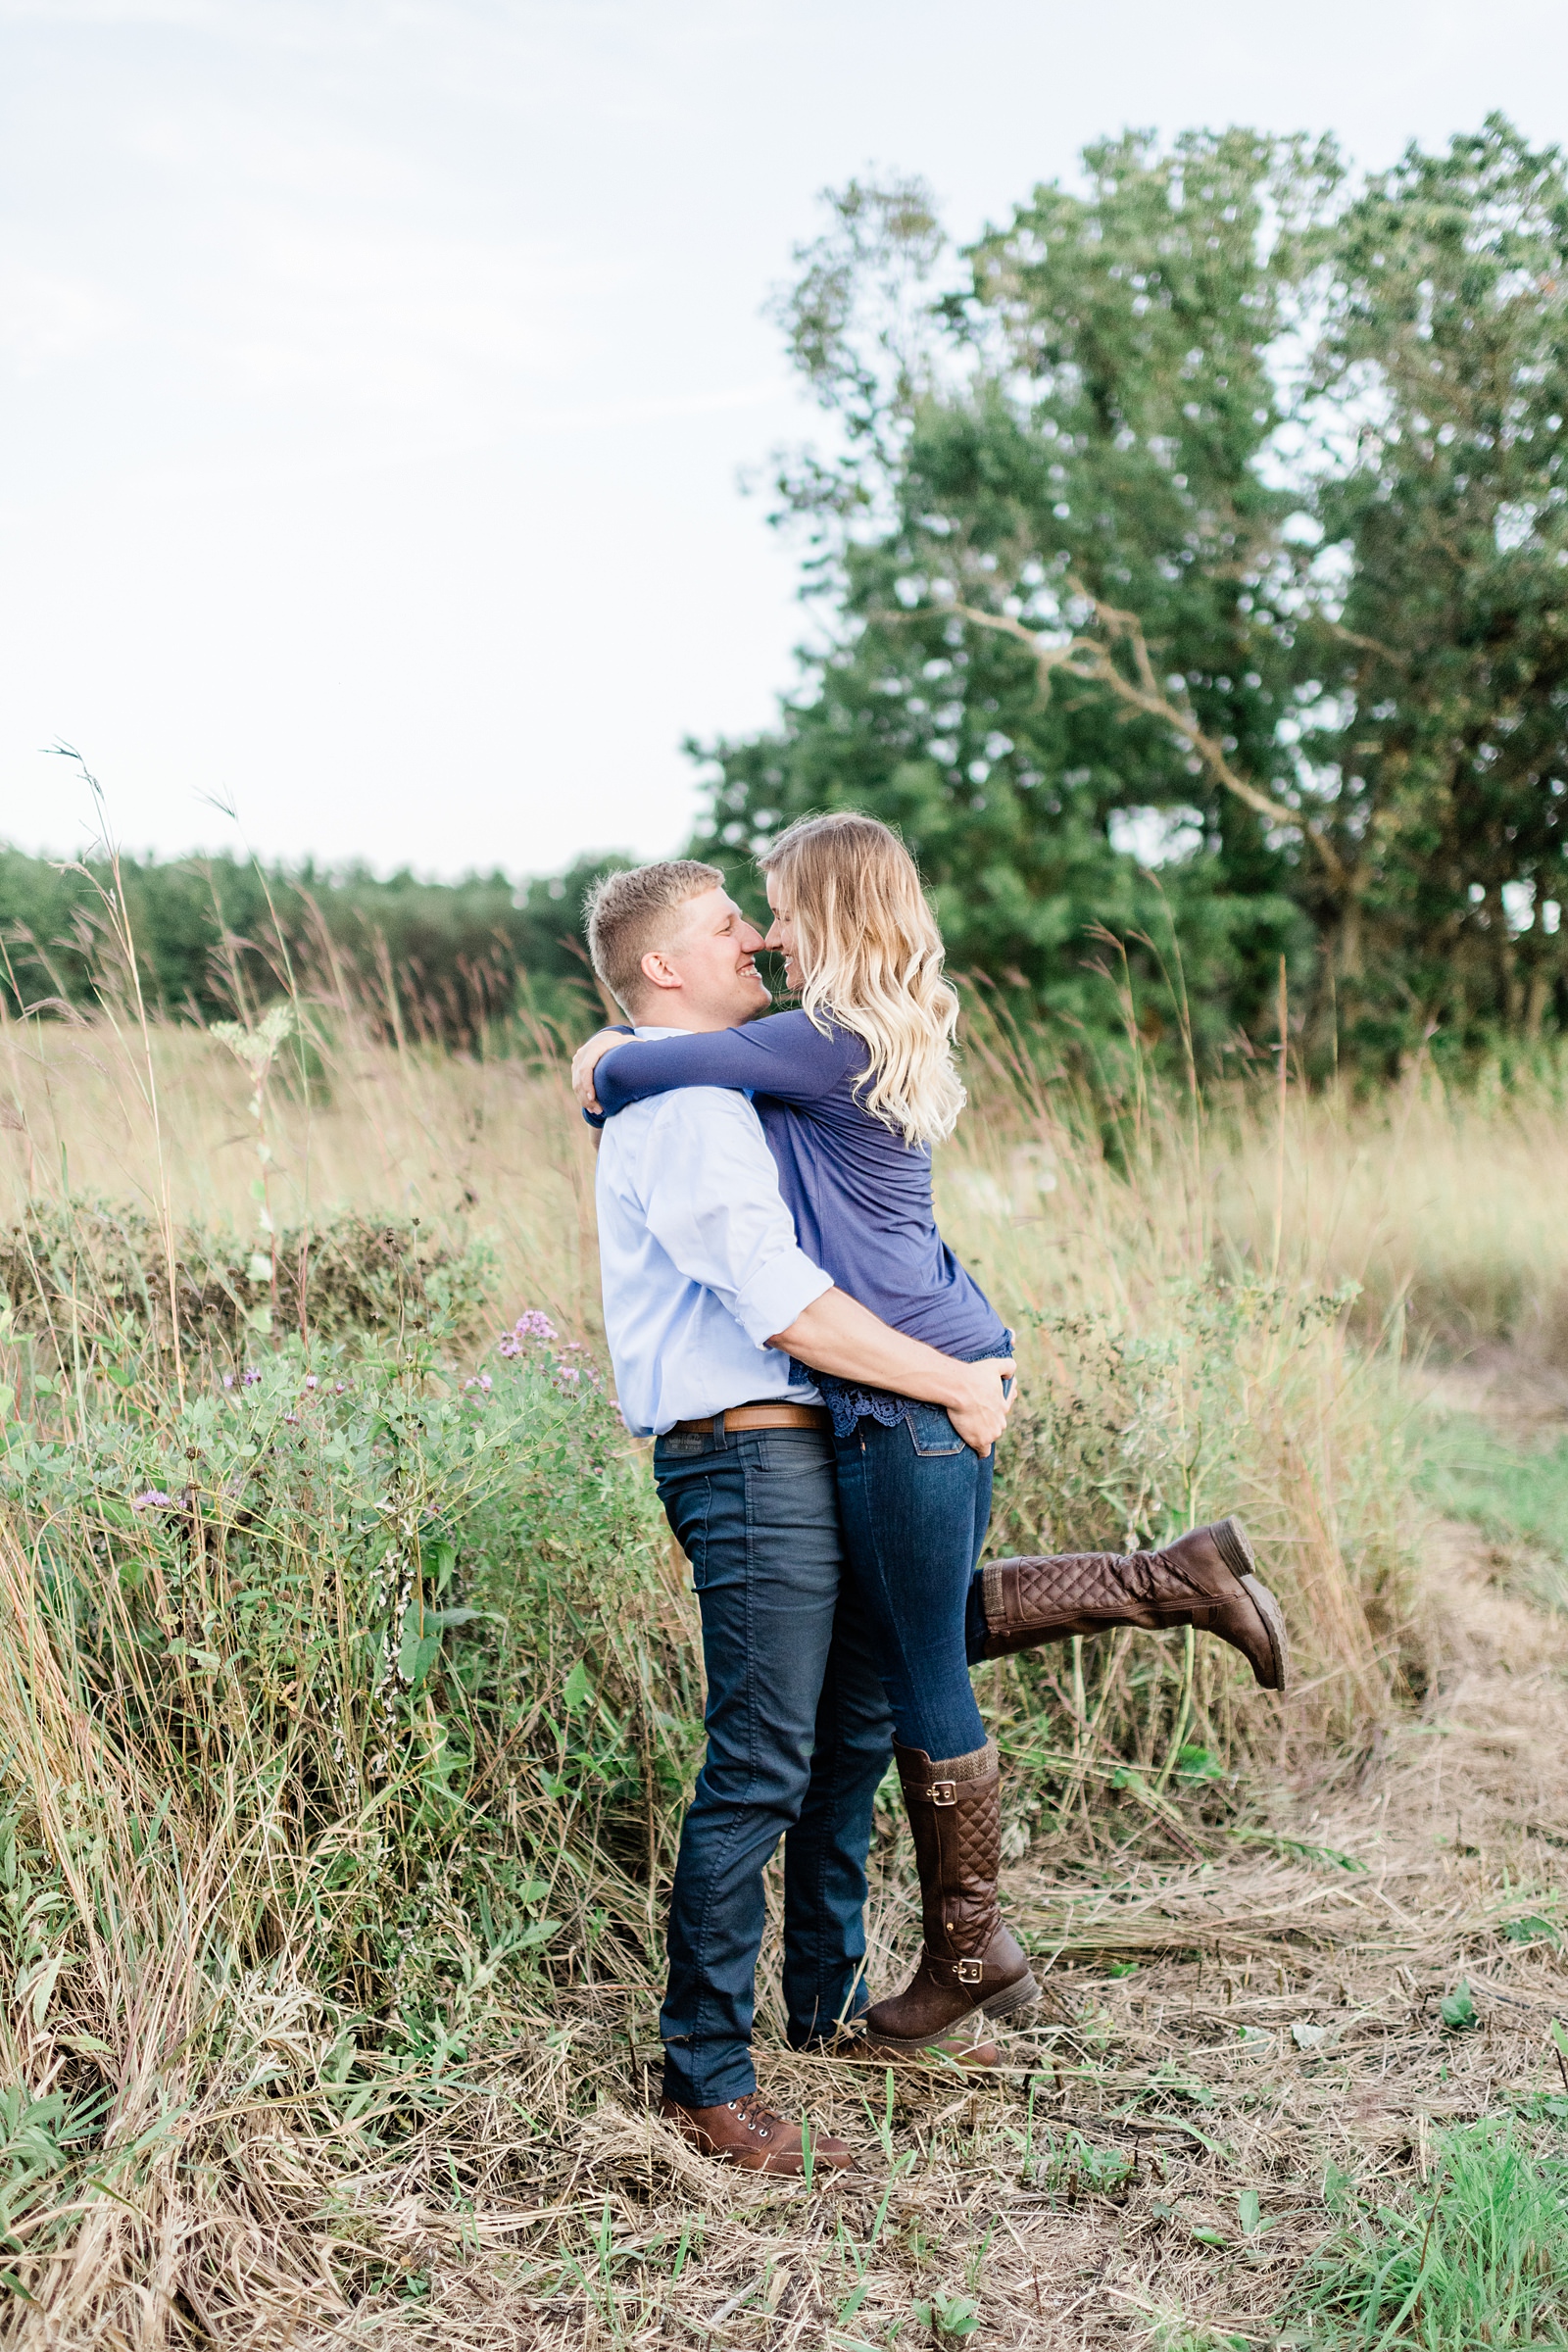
(349, 1689)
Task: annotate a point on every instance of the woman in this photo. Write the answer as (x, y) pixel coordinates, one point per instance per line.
(852, 1091)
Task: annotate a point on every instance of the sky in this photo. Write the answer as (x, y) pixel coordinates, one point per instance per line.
(378, 376)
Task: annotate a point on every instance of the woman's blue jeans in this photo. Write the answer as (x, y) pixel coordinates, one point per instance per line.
(915, 1503)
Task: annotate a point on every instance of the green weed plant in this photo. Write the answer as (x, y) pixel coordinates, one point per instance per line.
(1479, 2258)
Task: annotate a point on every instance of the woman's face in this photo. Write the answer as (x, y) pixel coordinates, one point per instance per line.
(781, 934)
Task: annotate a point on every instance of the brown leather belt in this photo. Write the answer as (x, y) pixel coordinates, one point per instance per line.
(756, 1416)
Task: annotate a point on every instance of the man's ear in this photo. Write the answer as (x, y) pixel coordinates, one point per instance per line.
(659, 971)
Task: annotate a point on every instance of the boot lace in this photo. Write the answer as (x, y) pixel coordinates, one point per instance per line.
(755, 2114)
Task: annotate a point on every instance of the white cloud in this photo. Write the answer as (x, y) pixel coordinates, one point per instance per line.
(48, 315)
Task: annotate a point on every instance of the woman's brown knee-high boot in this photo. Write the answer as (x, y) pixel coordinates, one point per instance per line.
(971, 1963)
(1205, 1579)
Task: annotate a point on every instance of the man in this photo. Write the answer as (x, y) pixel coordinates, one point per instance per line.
(710, 1308)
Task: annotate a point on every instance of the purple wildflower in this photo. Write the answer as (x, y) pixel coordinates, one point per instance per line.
(292, 1419)
(532, 1325)
(310, 1379)
(252, 1375)
(510, 1346)
(155, 1500)
(229, 1380)
(483, 1384)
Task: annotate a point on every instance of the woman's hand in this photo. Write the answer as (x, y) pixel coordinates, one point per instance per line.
(979, 1408)
(586, 1060)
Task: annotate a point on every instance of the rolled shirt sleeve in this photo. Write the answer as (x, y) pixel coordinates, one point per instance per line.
(711, 1194)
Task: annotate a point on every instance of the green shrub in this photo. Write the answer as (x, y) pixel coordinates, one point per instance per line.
(95, 1276)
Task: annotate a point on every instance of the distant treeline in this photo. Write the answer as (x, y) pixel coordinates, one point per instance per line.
(213, 935)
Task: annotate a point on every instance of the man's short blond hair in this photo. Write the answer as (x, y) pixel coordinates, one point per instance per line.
(630, 915)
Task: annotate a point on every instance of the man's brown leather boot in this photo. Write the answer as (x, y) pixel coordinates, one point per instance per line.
(1206, 1579)
(970, 1965)
(745, 2134)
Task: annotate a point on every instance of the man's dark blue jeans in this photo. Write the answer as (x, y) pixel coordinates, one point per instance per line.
(799, 1737)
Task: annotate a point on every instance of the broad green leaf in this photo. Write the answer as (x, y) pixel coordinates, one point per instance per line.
(1458, 2010)
(418, 1653)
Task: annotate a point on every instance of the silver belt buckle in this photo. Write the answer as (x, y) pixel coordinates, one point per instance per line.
(971, 1972)
(943, 1792)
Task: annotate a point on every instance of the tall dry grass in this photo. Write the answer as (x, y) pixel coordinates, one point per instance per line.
(337, 1775)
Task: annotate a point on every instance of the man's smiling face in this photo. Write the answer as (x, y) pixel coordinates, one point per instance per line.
(707, 978)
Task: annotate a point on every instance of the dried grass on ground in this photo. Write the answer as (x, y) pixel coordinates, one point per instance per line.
(1279, 2030)
(1235, 2011)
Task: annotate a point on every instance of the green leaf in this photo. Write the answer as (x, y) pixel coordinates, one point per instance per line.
(418, 1652)
(1530, 1929)
(1458, 2010)
(338, 2063)
(957, 2315)
(951, 2315)
(439, 1559)
(37, 1987)
(1209, 2237)
(579, 1691)
(1250, 2212)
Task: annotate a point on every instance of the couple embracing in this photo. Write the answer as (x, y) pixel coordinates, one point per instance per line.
(825, 1384)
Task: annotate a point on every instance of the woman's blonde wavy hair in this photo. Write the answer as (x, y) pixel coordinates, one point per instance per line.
(870, 958)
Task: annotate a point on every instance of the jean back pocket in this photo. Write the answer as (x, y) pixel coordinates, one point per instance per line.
(931, 1431)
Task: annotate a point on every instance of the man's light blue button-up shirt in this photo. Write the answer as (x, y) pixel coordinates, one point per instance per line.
(696, 1256)
(698, 1259)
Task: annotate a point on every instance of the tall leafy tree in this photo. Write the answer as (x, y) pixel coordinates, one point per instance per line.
(1438, 398)
(1142, 543)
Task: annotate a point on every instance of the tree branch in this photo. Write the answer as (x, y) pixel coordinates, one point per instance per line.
(1093, 660)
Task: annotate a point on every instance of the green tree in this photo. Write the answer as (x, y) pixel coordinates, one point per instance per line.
(1438, 401)
(1128, 554)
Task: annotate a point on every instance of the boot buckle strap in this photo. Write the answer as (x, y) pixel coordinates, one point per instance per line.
(942, 1792)
(971, 1972)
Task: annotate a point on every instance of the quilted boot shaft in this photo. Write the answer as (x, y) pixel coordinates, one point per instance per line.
(971, 1964)
(1205, 1579)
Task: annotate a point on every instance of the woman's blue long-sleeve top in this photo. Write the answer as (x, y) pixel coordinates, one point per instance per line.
(860, 1194)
